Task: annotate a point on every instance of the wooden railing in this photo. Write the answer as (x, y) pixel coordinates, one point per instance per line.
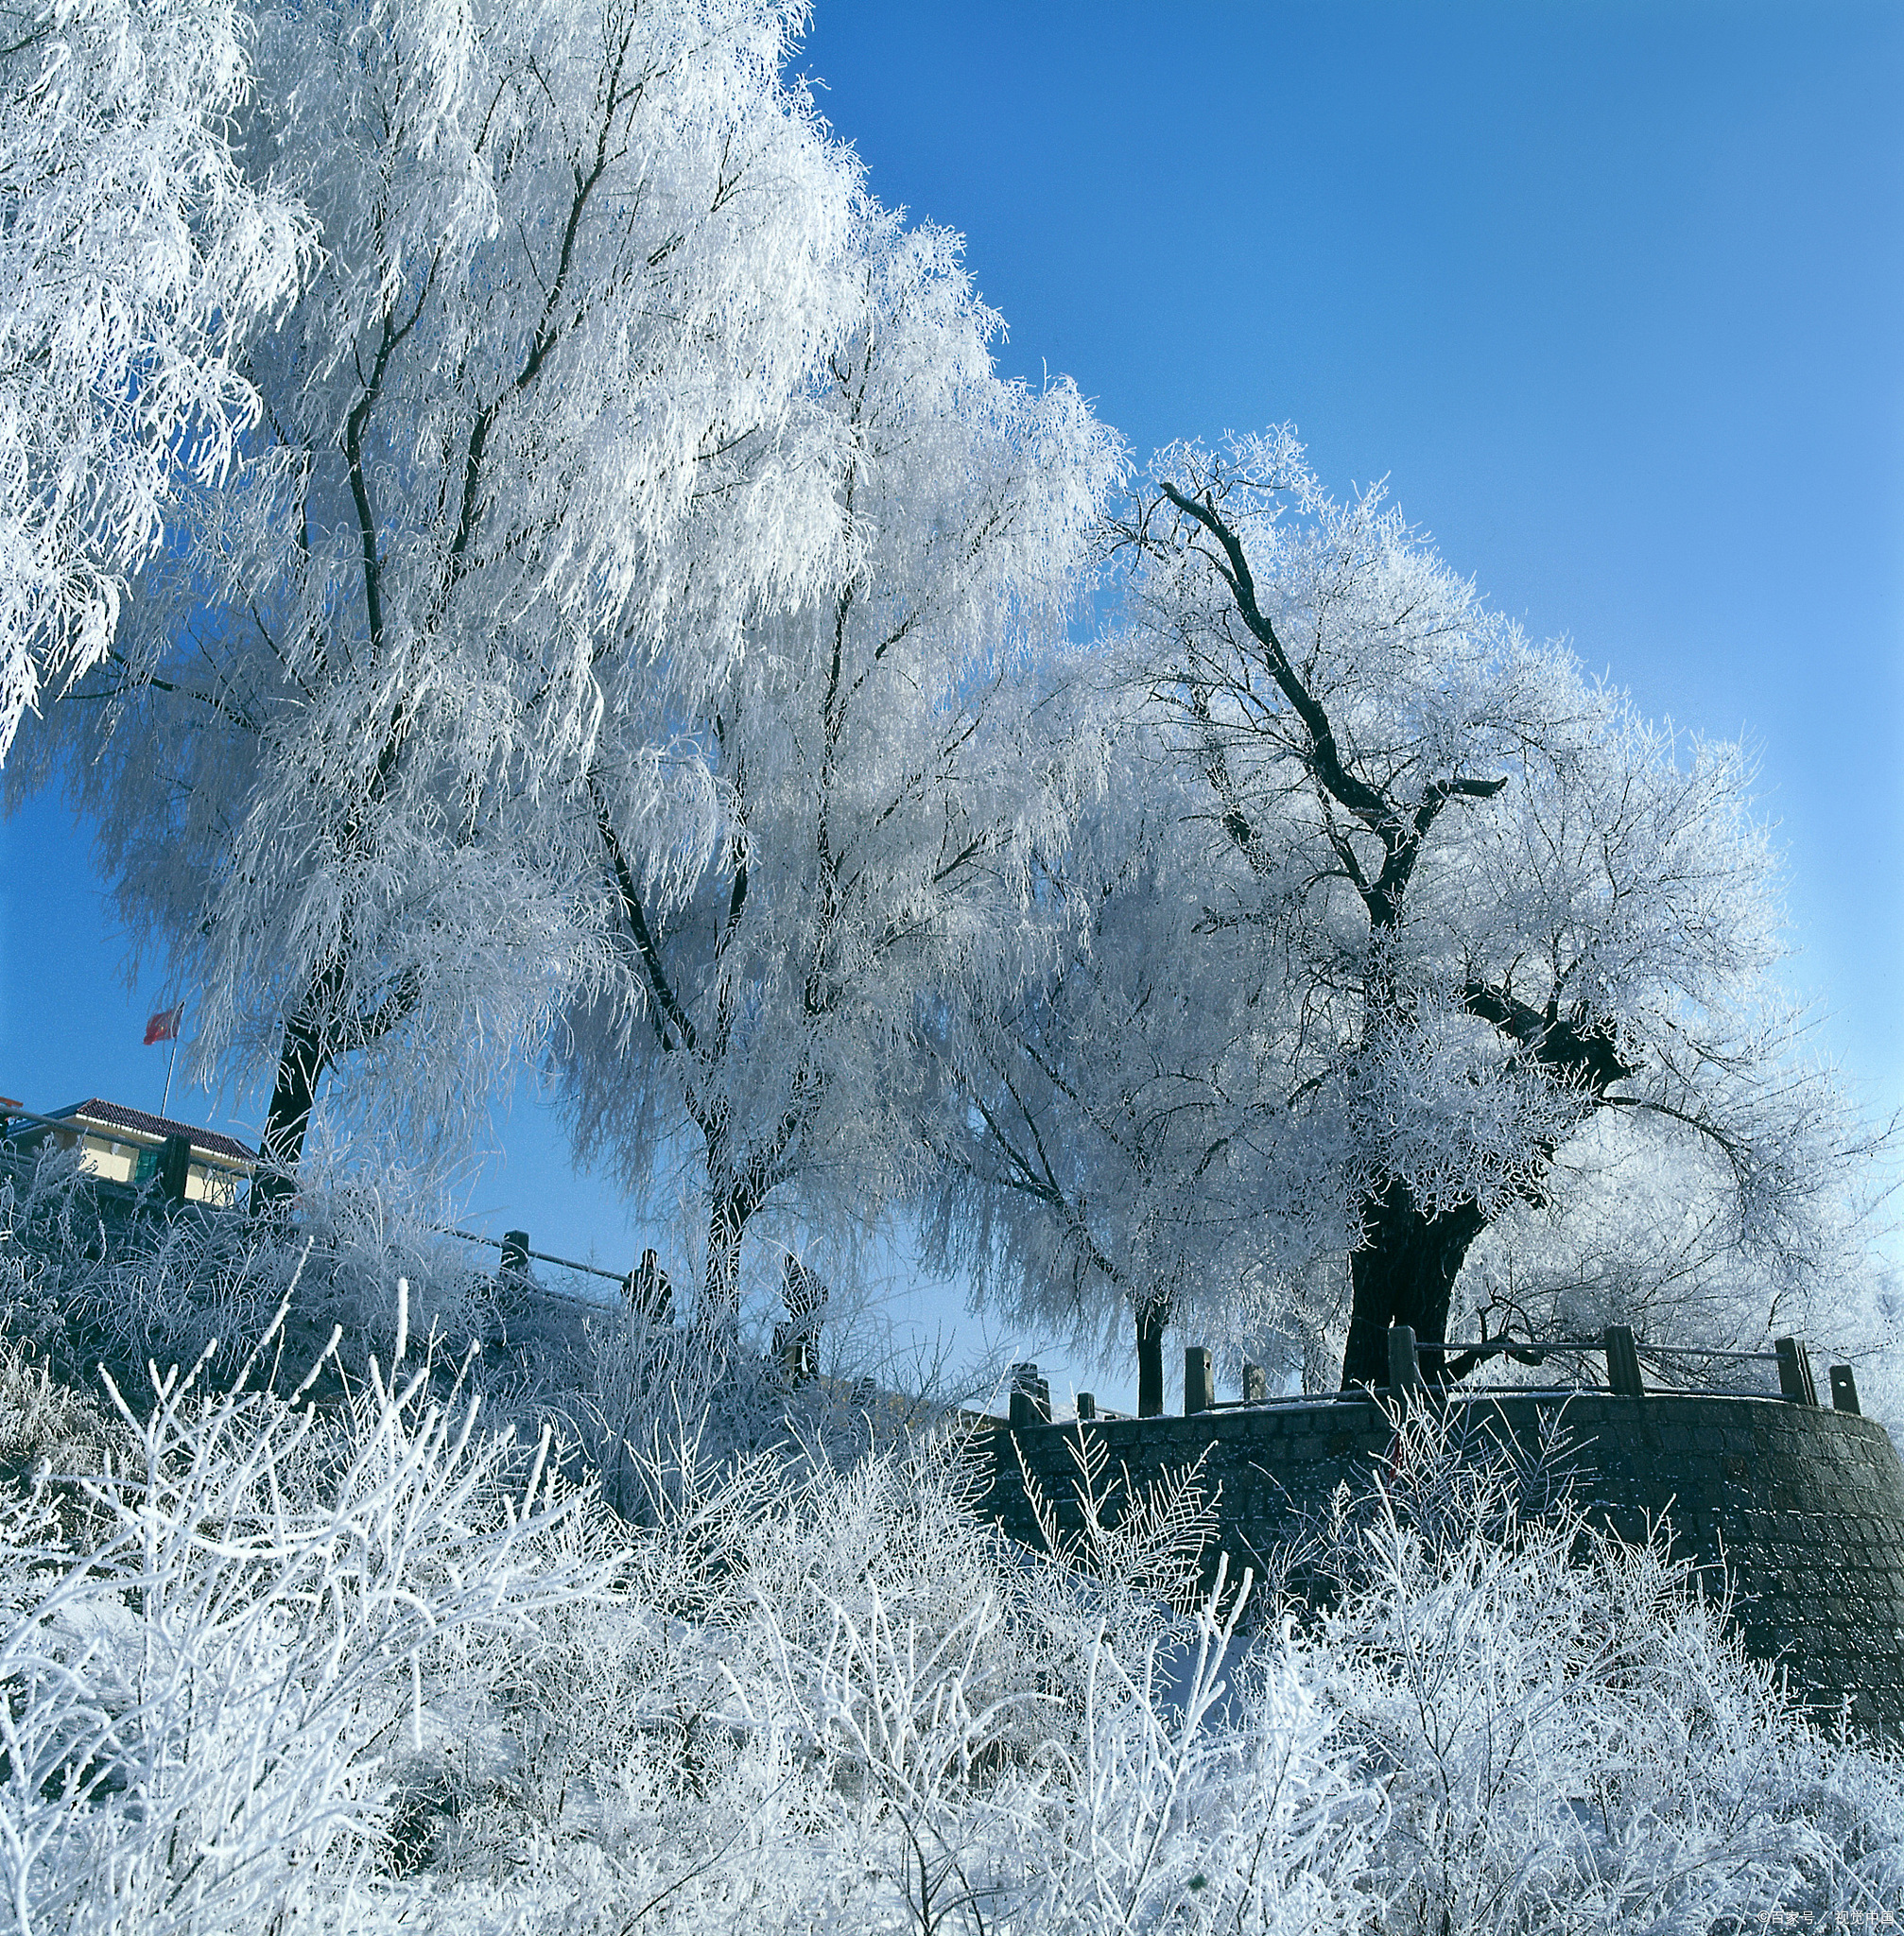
(1624, 1358)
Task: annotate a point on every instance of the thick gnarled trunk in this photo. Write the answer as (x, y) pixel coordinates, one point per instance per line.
(1404, 1273)
(301, 1061)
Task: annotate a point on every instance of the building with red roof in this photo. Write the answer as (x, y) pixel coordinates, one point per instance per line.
(122, 1146)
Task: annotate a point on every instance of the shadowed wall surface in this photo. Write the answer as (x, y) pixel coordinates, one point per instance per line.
(1803, 1507)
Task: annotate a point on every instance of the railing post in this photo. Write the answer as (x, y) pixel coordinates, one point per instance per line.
(1795, 1372)
(1255, 1385)
(1622, 1362)
(1843, 1389)
(1087, 1406)
(513, 1283)
(1405, 1365)
(1200, 1385)
(1030, 1397)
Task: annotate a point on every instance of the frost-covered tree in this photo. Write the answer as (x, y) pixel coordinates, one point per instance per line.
(1514, 908)
(134, 256)
(1103, 1126)
(868, 753)
(538, 432)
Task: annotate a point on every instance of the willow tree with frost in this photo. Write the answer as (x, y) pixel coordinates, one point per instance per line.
(1517, 912)
(538, 430)
(135, 258)
(1108, 1160)
(847, 815)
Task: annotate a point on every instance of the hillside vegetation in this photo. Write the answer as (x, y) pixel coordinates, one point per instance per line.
(389, 1659)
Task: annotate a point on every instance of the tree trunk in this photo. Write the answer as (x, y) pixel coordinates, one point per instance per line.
(1152, 1316)
(300, 1067)
(720, 1287)
(1404, 1273)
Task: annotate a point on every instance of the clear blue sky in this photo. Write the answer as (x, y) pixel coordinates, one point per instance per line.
(1612, 294)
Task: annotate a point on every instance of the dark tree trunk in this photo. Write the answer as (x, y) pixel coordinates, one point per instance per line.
(300, 1067)
(1151, 1318)
(720, 1288)
(1404, 1273)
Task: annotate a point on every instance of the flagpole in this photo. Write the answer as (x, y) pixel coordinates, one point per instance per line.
(171, 1062)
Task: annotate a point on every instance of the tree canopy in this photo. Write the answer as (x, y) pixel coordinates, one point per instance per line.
(536, 435)
(589, 596)
(1393, 942)
(877, 787)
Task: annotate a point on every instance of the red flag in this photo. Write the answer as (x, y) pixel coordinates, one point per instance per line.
(164, 1027)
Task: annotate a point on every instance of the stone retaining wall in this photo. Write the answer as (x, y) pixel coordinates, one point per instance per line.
(1804, 1507)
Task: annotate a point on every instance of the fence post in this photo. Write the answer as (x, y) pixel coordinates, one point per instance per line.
(1622, 1362)
(1255, 1383)
(1087, 1406)
(1795, 1372)
(1405, 1366)
(1030, 1397)
(1843, 1389)
(1200, 1385)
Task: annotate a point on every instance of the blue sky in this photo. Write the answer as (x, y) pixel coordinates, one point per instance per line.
(1613, 295)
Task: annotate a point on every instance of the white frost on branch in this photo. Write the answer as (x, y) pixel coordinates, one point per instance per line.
(538, 436)
(135, 256)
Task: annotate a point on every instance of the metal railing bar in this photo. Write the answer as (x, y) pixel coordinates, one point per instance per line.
(1757, 1358)
(1496, 1347)
(469, 1236)
(1493, 1347)
(568, 1297)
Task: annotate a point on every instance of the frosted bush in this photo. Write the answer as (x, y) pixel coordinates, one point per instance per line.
(205, 1707)
(1138, 1544)
(832, 1698)
(91, 1281)
(1565, 1727)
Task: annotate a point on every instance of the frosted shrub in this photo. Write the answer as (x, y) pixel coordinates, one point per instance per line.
(663, 1414)
(831, 1699)
(355, 1665)
(45, 1423)
(1568, 1733)
(957, 1740)
(1201, 1804)
(987, 1787)
(92, 1283)
(1139, 1546)
(207, 1707)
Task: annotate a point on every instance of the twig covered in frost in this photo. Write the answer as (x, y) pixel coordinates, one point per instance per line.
(1565, 1727)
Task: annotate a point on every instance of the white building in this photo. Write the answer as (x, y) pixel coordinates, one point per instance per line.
(122, 1146)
